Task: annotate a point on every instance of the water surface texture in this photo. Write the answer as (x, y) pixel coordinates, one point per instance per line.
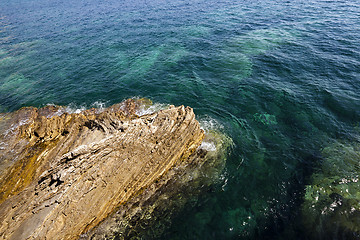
(281, 78)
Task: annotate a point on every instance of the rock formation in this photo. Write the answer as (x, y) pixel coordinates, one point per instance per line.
(62, 174)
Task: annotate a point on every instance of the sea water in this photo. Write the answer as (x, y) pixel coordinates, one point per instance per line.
(281, 78)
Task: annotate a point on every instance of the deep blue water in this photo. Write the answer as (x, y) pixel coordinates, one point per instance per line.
(281, 77)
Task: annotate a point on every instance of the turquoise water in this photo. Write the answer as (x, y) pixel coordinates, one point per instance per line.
(281, 77)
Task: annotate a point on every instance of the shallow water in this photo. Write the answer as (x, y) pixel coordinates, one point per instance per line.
(280, 77)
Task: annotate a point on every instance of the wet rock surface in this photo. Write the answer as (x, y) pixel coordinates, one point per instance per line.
(66, 175)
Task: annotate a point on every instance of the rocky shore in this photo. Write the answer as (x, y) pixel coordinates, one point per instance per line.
(99, 173)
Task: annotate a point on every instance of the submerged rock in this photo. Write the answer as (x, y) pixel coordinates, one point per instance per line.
(98, 173)
(331, 208)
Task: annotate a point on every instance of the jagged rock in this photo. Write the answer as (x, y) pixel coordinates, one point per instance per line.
(63, 173)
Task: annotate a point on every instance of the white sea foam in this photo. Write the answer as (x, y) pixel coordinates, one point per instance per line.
(143, 110)
(99, 105)
(72, 108)
(207, 123)
(208, 146)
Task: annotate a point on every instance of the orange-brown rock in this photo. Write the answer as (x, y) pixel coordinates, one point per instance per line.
(64, 173)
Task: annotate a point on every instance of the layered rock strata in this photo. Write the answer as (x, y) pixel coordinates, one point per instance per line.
(149, 214)
(64, 173)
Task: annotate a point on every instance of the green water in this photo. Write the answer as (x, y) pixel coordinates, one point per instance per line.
(281, 78)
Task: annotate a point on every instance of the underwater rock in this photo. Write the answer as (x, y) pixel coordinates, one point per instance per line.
(331, 208)
(265, 118)
(63, 174)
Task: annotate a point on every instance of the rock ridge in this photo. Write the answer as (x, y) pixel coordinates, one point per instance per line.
(64, 173)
